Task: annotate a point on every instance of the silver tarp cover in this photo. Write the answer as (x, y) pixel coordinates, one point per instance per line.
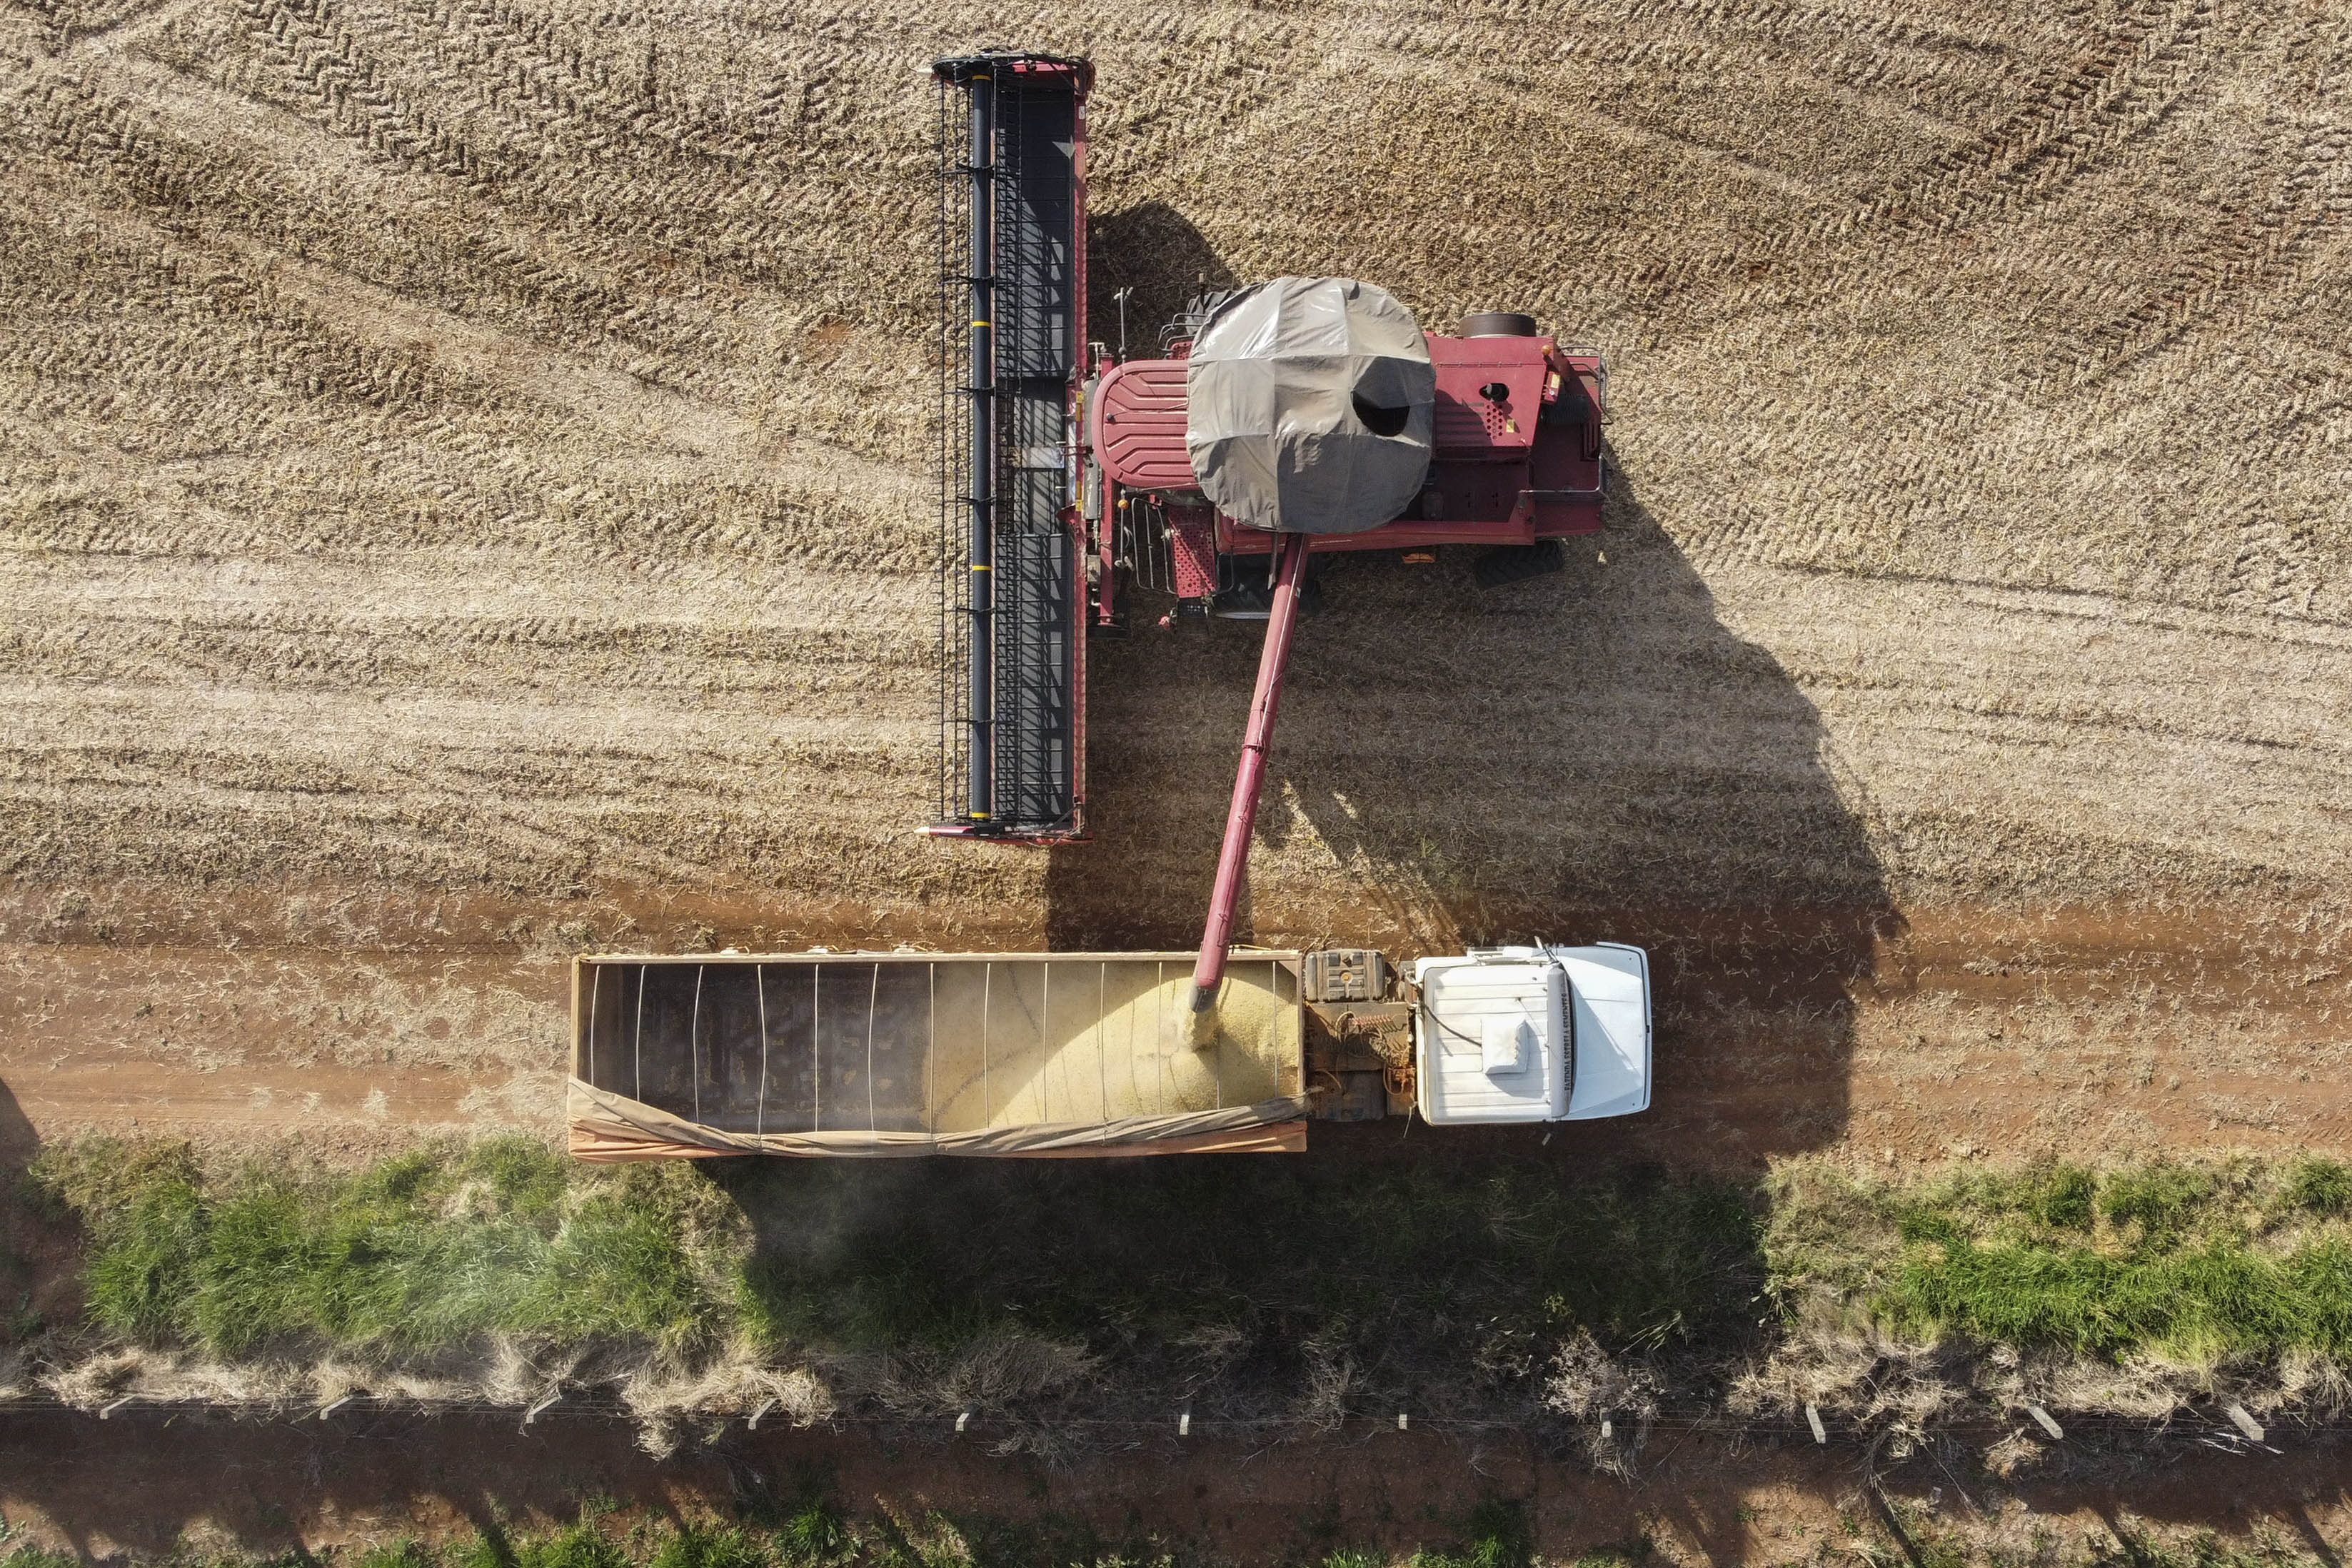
(1307, 407)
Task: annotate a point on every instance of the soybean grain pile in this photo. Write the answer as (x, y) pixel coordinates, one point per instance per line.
(463, 490)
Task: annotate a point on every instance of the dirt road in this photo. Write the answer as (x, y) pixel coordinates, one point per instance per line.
(149, 1482)
(1940, 1035)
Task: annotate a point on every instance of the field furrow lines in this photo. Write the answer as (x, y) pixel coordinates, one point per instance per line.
(474, 457)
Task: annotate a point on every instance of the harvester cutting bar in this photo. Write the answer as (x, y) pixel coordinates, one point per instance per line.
(1013, 318)
(980, 751)
(1241, 816)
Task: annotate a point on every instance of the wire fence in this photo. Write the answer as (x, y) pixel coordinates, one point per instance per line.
(2187, 1429)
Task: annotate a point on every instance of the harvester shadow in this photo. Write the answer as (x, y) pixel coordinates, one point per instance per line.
(1153, 251)
(1278, 1293)
(1589, 756)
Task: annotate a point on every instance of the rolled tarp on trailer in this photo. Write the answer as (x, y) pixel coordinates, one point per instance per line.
(1037, 1055)
(611, 1127)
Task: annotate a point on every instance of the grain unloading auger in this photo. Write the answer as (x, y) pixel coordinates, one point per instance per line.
(1296, 418)
(1306, 412)
(1313, 413)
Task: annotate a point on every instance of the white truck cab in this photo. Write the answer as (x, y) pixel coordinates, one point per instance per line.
(1532, 1034)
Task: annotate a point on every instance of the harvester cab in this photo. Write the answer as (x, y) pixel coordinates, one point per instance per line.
(1514, 466)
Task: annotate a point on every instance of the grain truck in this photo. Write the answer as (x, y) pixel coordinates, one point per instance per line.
(1089, 1054)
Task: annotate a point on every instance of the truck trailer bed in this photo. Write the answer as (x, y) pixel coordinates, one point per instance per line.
(916, 1053)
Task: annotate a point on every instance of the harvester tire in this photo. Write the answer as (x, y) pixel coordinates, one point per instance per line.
(1509, 564)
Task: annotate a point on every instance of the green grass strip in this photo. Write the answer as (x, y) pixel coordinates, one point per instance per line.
(425, 1250)
(2212, 1299)
(1419, 1264)
(2236, 1259)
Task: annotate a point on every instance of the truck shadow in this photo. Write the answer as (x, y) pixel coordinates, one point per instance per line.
(1590, 755)
(38, 1252)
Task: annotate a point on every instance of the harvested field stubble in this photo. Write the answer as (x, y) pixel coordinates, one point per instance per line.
(462, 470)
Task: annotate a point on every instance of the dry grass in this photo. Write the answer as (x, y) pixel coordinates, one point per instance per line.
(479, 452)
(1039, 1297)
(1591, 1388)
(2131, 1293)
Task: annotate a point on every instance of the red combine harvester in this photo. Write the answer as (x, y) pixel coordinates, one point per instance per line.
(1070, 479)
(1300, 415)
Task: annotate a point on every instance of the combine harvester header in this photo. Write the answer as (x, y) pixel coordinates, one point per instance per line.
(1011, 236)
(1300, 415)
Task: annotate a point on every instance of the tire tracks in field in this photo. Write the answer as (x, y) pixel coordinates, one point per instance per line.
(725, 631)
(65, 110)
(690, 662)
(261, 785)
(2266, 242)
(622, 408)
(2077, 116)
(635, 178)
(2086, 706)
(2261, 236)
(2082, 115)
(2267, 234)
